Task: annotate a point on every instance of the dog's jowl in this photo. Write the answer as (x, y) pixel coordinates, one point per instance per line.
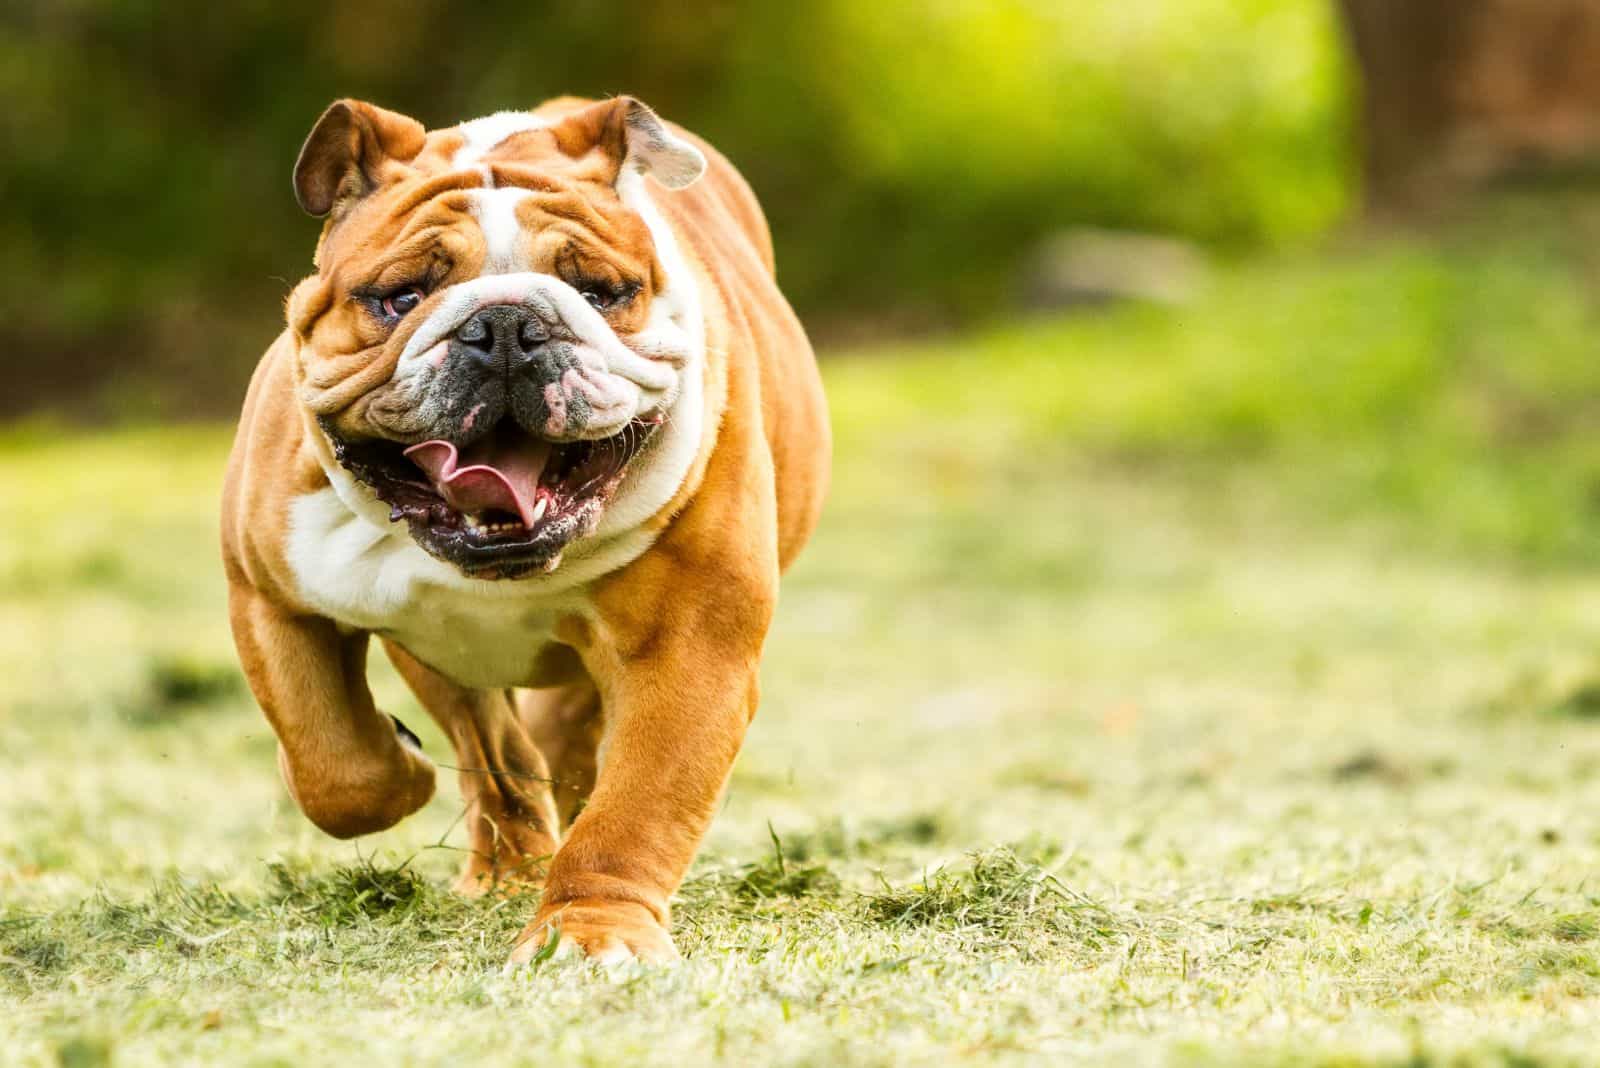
(542, 423)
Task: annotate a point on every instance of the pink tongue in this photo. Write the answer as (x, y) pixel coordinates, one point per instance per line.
(487, 475)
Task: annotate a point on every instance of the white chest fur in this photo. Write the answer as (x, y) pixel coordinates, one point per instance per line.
(374, 577)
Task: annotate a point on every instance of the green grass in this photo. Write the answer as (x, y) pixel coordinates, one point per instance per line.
(1199, 687)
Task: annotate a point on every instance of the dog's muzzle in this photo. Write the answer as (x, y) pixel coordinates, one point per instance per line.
(527, 345)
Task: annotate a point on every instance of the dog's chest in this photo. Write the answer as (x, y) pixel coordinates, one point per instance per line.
(478, 633)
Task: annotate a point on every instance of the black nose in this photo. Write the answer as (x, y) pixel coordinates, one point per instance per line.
(503, 335)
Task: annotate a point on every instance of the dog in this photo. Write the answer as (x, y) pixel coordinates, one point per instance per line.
(542, 422)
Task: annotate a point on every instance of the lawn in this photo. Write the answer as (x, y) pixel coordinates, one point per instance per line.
(1208, 686)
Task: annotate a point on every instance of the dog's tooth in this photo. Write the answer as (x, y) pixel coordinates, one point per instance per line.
(538, 509)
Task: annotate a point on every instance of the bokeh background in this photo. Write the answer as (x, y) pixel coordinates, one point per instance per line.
(1214, 532)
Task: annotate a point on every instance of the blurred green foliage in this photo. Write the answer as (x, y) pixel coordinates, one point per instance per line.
(1445, 388)
(911, 156)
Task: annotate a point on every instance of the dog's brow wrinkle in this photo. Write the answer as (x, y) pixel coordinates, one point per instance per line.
(435, 187)
(563, 208)
(510, 172)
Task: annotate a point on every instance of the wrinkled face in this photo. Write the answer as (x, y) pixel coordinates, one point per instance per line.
(491, 341)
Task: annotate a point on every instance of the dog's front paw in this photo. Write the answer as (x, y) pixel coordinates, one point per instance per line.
(362, 794)
(607, 932)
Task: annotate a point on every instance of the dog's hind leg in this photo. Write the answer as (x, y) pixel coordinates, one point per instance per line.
(511, 819)
(565, 723)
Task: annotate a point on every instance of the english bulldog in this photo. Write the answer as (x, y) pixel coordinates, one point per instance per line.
(543, 423)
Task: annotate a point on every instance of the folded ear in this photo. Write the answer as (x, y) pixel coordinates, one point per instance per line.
(629, 136)
(348, 152)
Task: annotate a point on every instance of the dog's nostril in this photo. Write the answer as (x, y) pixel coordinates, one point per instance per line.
(533, 333)
(476, 332)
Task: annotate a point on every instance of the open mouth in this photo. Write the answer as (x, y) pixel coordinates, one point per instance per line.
(503, 506)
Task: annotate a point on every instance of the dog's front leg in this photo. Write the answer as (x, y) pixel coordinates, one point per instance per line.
(342, 760)
(676, 700)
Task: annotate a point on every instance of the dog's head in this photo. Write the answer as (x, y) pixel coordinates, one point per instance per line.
(491, 337)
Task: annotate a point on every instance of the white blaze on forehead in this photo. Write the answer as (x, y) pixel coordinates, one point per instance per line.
(496, 212)
(484, 134)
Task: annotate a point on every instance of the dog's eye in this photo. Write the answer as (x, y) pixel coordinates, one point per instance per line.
(401, 301)
(604, 297)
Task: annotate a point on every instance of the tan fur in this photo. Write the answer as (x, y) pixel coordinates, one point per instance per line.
(660, 672)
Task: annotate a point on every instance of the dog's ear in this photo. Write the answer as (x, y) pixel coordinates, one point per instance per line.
(628, 136)
(349, 151)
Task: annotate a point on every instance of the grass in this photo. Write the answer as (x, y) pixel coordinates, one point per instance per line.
(1212, 686)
